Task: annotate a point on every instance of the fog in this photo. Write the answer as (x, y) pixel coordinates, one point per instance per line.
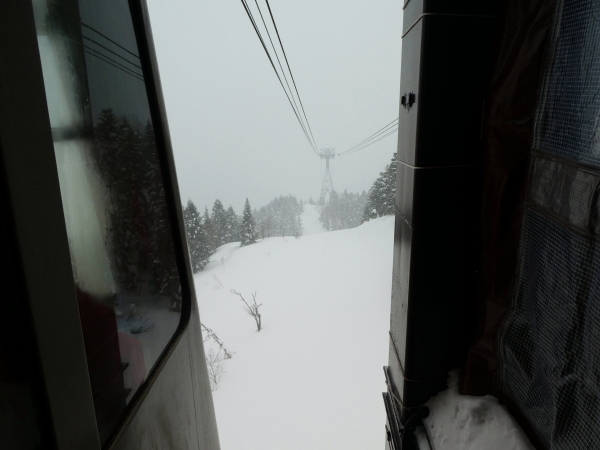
(233, 131)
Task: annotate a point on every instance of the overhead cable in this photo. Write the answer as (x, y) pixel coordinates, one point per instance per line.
(290, 70)
(279, 62)
(392, 124)
(386, 128)
(250, 16)
(109, 50)
(112, 62)
(370, 143)
(109, 39)
(114, 65)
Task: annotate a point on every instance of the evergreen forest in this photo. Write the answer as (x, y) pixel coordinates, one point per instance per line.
(127, 161)
(282, 217)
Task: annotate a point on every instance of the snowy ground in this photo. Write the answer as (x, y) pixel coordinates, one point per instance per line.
(311, 379)
(310, 220)
(470, 423)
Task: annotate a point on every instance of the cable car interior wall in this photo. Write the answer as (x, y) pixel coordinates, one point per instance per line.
(495, 261)
(89, 207)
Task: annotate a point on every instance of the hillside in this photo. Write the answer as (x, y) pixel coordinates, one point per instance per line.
(312, 378)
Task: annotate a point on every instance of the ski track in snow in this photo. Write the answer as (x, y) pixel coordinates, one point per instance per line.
(312, 378)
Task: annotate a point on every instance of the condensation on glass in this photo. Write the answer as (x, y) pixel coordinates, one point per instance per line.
(122, 254)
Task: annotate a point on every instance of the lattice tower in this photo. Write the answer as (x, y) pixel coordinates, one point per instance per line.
(327, 186)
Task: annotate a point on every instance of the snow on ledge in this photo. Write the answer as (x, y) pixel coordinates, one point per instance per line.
(464, 422)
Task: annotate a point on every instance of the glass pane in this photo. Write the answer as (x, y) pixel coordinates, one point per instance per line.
(114, 203)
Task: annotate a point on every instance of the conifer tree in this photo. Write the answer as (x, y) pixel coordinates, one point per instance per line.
(208, 229)
(297, 231)
(343, 211)
(219, 223)
(382, 193)
(232, 232)
(139, 233)
(248, 232)
(281, 217)
(161, 252)
(196, 237)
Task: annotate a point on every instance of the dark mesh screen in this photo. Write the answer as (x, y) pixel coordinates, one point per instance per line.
(567, 122)
(550, 341)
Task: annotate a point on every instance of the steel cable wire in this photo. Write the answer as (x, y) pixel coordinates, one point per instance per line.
(109, 39)
(250, 16)
(373, 136)
(290, 70)
(370, 143)
(112, 62)
(278, 60)
(109, 50)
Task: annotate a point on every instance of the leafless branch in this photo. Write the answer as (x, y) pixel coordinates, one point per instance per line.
(215, 366)
(210, 334)
(217, 280)
(251, 309)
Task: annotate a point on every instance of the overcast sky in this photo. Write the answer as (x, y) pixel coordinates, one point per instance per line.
(234, 133)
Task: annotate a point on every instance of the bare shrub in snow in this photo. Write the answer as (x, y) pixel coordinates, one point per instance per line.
(218, 281)
(251, 309)
(146, 325)
(142, 323)
(134, 312)
(215, 360)
(215, 366)
(210, 334)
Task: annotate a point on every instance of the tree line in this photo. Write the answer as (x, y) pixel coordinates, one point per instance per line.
(139, 235)
(207, 232)
(281, 217)
(382, 194)
(348, 210)
(343, 210)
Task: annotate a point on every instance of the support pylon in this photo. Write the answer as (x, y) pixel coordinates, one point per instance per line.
(327, 186)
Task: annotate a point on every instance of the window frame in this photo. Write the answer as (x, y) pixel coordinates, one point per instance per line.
(143, 33)
(27, 151)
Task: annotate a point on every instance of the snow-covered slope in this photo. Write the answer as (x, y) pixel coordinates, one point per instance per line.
(310, 220)
(312, 378)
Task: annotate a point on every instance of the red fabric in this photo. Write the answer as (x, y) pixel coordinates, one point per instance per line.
(132, 353)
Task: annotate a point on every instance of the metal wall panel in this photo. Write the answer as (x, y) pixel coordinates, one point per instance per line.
(443, 58)
(446, 51)
(178, 411)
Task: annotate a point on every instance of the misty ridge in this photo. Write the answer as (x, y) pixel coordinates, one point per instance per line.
(282, 217)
